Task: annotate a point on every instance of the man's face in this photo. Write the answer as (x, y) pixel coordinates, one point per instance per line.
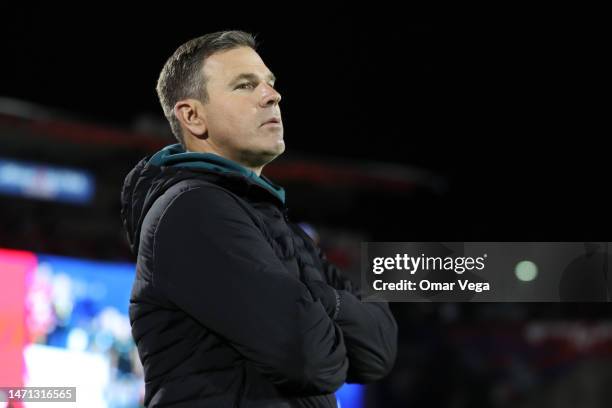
(242, 113)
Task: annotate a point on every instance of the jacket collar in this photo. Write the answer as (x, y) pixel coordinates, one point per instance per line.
(176, 156)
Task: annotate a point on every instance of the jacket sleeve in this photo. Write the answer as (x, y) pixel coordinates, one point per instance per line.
(212, 261)
(369, 328)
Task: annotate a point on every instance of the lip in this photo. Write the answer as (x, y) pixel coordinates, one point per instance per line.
(272, 121)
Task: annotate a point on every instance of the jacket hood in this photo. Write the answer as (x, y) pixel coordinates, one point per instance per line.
(156, 173)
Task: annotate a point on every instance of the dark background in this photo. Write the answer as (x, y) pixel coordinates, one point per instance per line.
(507, 112)
(505, 118)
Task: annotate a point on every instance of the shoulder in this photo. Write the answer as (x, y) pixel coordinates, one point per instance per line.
(192, 191)
(196, 197)
(190, 201)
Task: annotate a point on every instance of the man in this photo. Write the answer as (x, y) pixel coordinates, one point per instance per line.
(233, 305)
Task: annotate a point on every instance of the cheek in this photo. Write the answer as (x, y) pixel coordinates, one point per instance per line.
(233, 119)
(220, 121)
(237, 108)
(237, 116)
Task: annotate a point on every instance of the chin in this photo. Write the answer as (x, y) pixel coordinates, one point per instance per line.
(272, 153)
(272, 147)
(263, 156)
(280, 146)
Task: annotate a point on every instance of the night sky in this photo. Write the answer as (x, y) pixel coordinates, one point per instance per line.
(507, 112)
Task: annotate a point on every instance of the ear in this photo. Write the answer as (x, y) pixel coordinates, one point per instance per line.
(190, 113)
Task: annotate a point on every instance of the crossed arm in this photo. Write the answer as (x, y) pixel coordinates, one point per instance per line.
(212, 261)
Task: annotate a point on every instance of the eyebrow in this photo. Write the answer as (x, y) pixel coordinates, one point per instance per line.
(251, 77)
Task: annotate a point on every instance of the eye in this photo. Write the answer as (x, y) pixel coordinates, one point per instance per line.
(246, 85)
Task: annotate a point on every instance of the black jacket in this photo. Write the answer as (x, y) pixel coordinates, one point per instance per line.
(219, 308)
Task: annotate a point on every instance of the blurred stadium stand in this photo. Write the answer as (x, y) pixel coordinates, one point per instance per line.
(37, 135)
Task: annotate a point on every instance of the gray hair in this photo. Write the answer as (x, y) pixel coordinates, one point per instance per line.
(182, 75)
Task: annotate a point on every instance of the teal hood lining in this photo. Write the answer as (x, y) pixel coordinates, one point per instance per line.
(175, 155)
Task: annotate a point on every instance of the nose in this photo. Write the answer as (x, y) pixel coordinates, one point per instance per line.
(270, 96)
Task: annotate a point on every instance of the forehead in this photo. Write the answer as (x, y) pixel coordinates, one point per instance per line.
(226, 65)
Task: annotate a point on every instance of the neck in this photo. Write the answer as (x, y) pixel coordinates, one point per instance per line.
(203, 146)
